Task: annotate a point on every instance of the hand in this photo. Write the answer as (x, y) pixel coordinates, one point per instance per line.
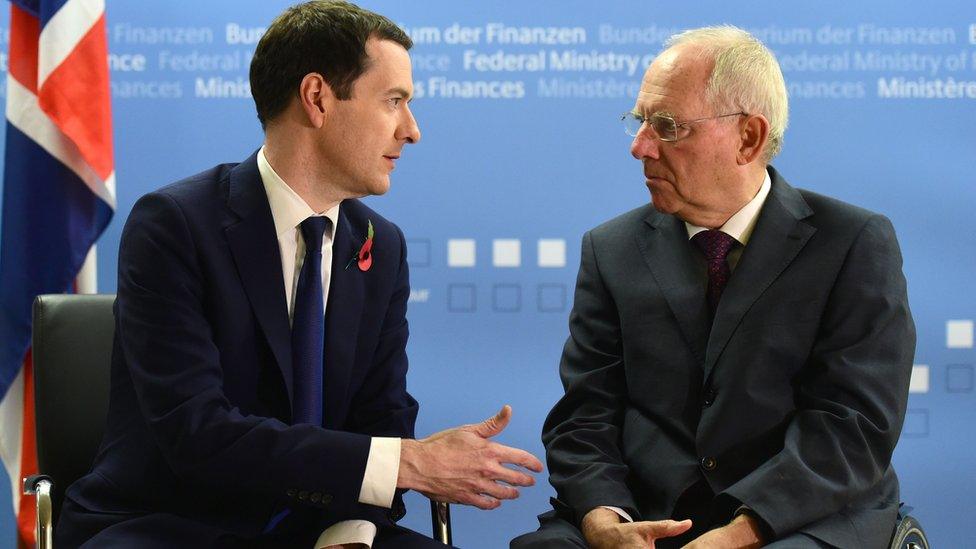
(461, 465)
(605, 529)
(742, 533)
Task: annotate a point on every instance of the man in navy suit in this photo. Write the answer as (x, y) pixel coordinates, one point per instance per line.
(258, 385)
(739, 350)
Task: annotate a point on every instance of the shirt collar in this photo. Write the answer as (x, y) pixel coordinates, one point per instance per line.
(742, 222)
(287, 208)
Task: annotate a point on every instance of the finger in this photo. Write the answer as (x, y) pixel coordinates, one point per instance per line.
(495, 424)
(663, 528)
(515, 456)
(480, 501)
(510, 476)
(496, 490)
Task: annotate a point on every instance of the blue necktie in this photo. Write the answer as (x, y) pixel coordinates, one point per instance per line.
(308, 327)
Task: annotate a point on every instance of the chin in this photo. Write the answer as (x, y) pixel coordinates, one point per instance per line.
(663, 204)
(378, 188)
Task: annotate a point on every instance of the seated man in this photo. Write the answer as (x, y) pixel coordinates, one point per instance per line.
(740, 350)
(258, 385)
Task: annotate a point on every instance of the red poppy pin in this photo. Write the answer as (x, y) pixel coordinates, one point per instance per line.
(365, 255)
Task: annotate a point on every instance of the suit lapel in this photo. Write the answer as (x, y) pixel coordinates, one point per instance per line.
(347, 294)
(777, 239)
(254, 245)
(663, 242)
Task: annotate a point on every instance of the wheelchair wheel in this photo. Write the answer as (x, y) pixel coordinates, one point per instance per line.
(909, 535)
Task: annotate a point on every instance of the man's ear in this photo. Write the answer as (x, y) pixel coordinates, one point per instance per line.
(753, 135)
(315, 97)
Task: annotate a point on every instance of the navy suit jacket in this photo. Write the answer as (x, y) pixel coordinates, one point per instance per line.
(790, 402)
(201, 383)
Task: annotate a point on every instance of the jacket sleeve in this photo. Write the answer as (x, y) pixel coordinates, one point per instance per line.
(382, 406)
(175, 368)
(582, 431)
(852, 397)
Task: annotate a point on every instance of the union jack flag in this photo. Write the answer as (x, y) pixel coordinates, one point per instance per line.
(58, 195)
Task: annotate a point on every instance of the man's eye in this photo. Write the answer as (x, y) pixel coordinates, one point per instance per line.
(395, 101)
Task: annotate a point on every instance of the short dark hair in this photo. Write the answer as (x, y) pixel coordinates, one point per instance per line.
(327, 37)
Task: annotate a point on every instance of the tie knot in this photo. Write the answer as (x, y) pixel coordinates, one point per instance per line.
(714, 244)
(312, 230)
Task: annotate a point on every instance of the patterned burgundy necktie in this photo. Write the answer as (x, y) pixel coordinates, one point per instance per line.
(715, 245)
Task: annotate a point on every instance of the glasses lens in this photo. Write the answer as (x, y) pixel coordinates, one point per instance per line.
(632, 123)
(664, 127)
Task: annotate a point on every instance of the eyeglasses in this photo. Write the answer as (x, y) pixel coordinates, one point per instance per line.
(665, 127)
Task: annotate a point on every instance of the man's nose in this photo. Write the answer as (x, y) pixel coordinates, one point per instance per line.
(408, 129)
(645, 145)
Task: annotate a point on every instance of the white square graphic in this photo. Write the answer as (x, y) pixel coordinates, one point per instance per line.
(920, 379)
(552, 252)
(959, 334)
(506, 252)
(460, 252)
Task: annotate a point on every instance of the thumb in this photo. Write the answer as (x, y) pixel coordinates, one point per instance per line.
(663, 528)
(495, 424)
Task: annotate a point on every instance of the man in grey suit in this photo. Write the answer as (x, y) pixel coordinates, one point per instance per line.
(740, 350)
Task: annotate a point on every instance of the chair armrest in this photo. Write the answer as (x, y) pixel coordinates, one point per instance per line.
(440, 521)
(40, 487)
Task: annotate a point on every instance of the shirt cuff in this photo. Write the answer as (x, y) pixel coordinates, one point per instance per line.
(382, 469)
(623, 514)
(347, 531)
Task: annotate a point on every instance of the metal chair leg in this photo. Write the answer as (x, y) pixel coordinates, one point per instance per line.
(40, 487)
(440, 521)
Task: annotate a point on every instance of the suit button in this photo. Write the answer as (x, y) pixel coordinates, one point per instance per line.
(326, 499)
(709, 463)
(315, 497)
(291, 492)
(303, 495)
(709, 398)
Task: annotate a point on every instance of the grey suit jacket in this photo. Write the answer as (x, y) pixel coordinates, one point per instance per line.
(791, 402)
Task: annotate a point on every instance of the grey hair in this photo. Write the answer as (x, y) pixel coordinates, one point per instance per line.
(746, 76)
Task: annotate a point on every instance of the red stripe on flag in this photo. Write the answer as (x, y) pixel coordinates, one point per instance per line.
(25, 33)
(27, 514)
(76, 97)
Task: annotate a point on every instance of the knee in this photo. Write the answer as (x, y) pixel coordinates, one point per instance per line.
(553, 533)
(547, 540)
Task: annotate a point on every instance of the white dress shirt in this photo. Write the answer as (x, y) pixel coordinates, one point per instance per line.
(739, 227)
(288, 210)
(742, 222)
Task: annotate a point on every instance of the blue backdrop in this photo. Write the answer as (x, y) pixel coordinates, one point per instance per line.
(522, 152)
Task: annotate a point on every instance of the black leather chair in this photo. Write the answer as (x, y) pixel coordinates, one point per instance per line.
(72, 349)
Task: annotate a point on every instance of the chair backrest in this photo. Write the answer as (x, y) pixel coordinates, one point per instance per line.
(72, 351)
